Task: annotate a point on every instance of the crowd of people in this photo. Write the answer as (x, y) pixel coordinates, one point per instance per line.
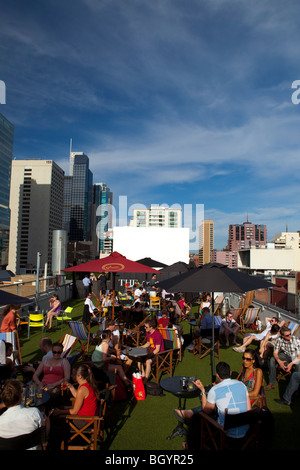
(264, 354)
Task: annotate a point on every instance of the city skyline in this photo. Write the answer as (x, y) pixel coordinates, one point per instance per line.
(173, 103)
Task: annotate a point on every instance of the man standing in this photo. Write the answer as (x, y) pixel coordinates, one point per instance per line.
(17, 420)
(155, 344)
(87, 285)
(286, 354)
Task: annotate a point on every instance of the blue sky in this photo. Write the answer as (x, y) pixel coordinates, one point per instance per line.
(175, 102)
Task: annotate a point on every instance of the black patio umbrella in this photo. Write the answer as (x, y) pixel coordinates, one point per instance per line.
(214, 277)
(7, 298)
(178, 267)
(152, 263)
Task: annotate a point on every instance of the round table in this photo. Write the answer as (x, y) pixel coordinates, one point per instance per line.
(174, 386)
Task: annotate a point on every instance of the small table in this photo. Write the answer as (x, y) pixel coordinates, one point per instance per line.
(173, 385)
(39, 399)
(135, 352)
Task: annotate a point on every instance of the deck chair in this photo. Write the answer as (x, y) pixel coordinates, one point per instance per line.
(178, 311)
(203, 344)
(36, 320)
(249, 317)
(13, 338)
(163, 361)
(172, 334)
(25, 441)
(218, 304)
(214, 436)
(69, 342)
(134, 335)
(84, 336)
(65, 315)
(293, 326)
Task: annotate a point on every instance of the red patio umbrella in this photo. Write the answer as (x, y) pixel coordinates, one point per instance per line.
(114, 263)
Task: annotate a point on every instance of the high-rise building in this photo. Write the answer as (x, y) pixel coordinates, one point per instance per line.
(6, 153)
(244, 236)
(157, 216)
(36, 203)
(78, 198)
(206, 240)
(102, 217)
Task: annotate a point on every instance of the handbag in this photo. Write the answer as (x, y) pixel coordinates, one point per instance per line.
(138, 387)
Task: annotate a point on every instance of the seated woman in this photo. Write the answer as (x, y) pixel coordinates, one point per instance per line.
(251, 375)
(164, 320)
(55, 370)
(55, 310)
(9, 324)
(184, 307)
(86, 394)
(104, 360)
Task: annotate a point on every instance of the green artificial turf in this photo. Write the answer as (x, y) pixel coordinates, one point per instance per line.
(146, 425)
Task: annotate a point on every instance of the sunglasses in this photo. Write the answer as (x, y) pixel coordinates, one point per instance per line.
(247, 358)
(287, 335)
(57, 352)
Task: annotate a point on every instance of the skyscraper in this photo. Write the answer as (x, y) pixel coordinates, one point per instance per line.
(102, 215)
(78, 198)
(6, 153)
(206, 240)
(36, 201)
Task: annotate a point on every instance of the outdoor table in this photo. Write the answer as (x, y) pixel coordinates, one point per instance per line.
(38, 398)
(136, 352)
(193, 324)
(174, 385)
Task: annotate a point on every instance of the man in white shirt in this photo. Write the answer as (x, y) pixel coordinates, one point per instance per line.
(16, 419)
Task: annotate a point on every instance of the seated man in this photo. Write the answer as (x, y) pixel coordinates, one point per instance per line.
(291, 388)
(155, 344)
(17, 420)
(249, 337)
(227, 393)
(229, 327)
(90, 311)
(286, 354)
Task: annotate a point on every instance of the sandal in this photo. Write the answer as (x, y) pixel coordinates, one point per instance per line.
(179, 416)
(240, 350)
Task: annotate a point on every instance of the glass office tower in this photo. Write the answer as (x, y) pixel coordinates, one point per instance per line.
(103, 200)
(82, 198)
(6, 154)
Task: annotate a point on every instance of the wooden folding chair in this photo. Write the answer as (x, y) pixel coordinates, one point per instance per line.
(87, 432)
(172, 334)
(163, 362)
(133, 336)
(214, 436)
(203, 344)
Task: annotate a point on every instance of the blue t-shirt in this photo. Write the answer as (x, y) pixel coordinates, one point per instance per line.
(230, 394)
